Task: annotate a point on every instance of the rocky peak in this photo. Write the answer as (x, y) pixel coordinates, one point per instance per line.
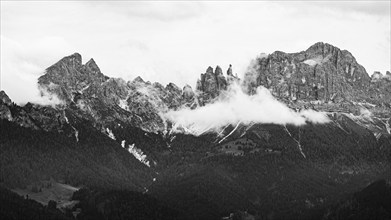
(92, 66)
(209, 70)
(188, 92)
(211, 83)
(376, 75)
(73, 61)
(4, 98)
(158, 86)
(388, 76)
(229, 71)
(138, 79)
(218, 71)
(379, 92)
(342, 59)
(322, 49)
(171, 87)
(189, 98)
(322, 72)
(5, 102)
(69, 76)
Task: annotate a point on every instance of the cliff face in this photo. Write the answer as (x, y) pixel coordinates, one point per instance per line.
(111, 100)
(323, 72)
(212, 83)
(69, 75)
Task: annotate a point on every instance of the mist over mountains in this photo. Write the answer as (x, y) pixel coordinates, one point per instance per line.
(301, 134)
(236, 107)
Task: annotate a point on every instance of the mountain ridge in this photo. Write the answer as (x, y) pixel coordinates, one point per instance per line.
(109, 131)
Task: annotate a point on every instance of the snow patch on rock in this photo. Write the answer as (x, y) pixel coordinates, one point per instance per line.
(66, 119)
(123, 104)
(138, 154)
(316, 60)
(74, 129)
(76, 134)
(83, 89)
(110, 133)
(310, 62)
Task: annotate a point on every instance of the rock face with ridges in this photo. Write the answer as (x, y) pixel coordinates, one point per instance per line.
(379, 92)
(322, 72)
(189, 98)
(4, 98)
(5, 101)
(211, 84)
(107, 100)
(69, 76)
(30, 115)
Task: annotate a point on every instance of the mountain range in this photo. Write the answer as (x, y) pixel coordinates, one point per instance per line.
(113, 138)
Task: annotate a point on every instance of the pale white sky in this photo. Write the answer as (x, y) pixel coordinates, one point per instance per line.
(176, 41)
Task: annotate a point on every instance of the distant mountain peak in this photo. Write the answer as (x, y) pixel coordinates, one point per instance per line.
(74, 61)
(69, 75)
(4, 98)
(322, 72)
(138, 79)
(92, 66)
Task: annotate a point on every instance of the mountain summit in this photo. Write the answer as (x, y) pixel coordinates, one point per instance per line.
(69, 75)
(322, 72)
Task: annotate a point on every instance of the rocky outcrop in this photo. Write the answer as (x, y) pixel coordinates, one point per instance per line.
(323, 72)
(107, 100)
(189, 98)
(211, 84)
(5, 102)
(69, 76)
(31, 115)
(379, 92)
(376, 76)
(4, 98)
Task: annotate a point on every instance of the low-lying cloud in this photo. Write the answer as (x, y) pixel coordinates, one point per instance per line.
(22, 64)
(235, 107)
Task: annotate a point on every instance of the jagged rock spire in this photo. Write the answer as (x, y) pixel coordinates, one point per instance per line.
(218, 71)
(92, 66)
(138, 79)
(211, 83)
(229, 71)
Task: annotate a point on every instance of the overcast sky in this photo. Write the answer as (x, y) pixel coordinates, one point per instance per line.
(176, 41)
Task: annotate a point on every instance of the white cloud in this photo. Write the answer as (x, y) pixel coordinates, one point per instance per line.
(22, 64)
(176, 41)
(235, 107)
